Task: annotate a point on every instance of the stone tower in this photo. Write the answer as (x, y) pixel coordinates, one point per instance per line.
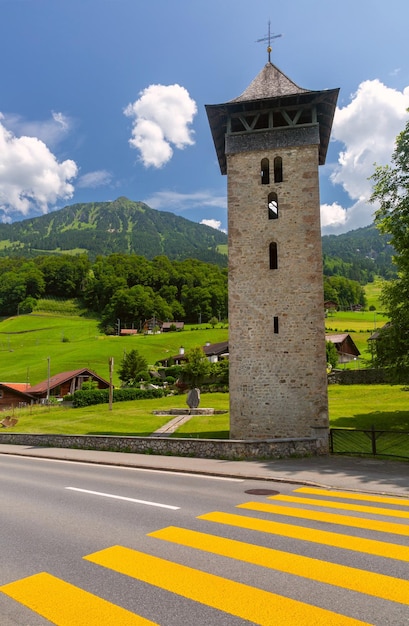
(270, 142)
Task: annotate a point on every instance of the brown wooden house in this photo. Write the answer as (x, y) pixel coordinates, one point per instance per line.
(346, 348)
(65, 383)
(13, 395)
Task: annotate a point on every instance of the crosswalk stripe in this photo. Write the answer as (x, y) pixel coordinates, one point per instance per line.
(367, 497)
(378, 585)
(330, 518)
(325, 537)
(358, 508)
(67, 605)
(249, 603)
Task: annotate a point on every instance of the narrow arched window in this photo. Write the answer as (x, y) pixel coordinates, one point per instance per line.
(265, 172)
(273, 256)
(278, 170)
(272, 206)
(275, 323)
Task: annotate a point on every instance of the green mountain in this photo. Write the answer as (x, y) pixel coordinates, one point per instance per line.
(359, 254)
(102, 228)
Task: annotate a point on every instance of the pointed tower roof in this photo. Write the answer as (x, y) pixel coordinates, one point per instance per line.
(272, 90)
(269, 83)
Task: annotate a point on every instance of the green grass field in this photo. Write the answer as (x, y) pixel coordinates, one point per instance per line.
(72, 342)
(385, 407)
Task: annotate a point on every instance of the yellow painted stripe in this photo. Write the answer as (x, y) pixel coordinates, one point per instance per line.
(358, 508)
(249, 603)
(367, 497)
(330, 518)
(67, 605)
(345, 542)
(378, 585)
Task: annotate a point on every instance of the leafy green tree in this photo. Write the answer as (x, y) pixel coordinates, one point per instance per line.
(213, 321)
(391, 193)
(332, 354)
(197, 367)
(132, 368)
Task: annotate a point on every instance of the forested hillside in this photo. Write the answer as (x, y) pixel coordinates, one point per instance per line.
(103, 228)
(358, 255)
(128, 287)
(124, 260)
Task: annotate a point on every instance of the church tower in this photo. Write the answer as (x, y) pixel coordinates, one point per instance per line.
(270, 141)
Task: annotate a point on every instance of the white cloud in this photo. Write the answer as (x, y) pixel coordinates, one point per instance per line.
(213, 224)
(30, 175)
(161, 119)
(332, 215)
(179, 202)
(99, 178)
(50, 131)
(367, 127)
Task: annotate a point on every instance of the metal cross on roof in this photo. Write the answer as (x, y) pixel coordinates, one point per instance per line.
(268, 38)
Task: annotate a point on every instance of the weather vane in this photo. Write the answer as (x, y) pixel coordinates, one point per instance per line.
(268, 38)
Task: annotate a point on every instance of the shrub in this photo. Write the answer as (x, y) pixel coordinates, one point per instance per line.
(101, 396)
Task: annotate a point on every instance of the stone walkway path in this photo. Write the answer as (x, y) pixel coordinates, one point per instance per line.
(170, 427)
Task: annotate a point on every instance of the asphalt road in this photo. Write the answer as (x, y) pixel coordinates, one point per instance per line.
(85, 544)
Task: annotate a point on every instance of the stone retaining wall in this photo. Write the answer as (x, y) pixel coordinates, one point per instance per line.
(200, 448)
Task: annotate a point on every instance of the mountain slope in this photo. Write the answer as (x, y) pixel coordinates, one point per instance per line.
(108, 227)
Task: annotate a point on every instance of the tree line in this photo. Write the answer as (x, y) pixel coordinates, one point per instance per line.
(128, 287)
(131, 288)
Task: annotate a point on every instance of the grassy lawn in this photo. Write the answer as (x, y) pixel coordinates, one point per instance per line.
(350, 406)
(126, 418)
(72, 342)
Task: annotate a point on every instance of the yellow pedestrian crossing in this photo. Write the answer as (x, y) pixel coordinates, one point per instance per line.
(346, 507)
(302, 533)
(349, 495)
(378, 585)
(64, 604)
(331, 518)
(249, 603)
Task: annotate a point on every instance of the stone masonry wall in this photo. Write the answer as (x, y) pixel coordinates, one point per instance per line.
(199, 448)
(278, 385)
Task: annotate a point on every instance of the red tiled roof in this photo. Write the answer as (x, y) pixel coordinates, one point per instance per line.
(16, 386)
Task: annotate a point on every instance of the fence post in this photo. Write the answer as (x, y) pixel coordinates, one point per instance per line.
(373, 440)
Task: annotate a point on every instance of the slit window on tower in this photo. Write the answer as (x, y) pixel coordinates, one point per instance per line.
(273, 256)
(278, 170)
(275, 324)
(272, 206)
(265, 172)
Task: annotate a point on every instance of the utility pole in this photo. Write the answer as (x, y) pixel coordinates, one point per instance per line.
(111, 387)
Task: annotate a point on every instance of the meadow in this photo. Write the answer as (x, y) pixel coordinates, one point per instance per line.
(70, 341)
(386, 407)
(58, 333)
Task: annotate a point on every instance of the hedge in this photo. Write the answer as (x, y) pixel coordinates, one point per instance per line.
(101, 396)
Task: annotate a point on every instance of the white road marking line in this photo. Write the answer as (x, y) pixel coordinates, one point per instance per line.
(115, 497)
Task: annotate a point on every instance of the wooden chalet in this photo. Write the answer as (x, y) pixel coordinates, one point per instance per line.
(65, 383)
(346, 348)
(14, 395)
(168, 326)
(214, 352)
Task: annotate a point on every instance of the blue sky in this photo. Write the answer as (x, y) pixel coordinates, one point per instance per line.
(105, 98)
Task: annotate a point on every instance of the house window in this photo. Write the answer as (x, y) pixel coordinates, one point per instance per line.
(278, 170)
(275, 322)
(272, 206)
(273, 256)
(265, 172)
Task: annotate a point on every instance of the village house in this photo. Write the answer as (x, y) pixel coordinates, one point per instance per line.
(58, 386)
(346, 348)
